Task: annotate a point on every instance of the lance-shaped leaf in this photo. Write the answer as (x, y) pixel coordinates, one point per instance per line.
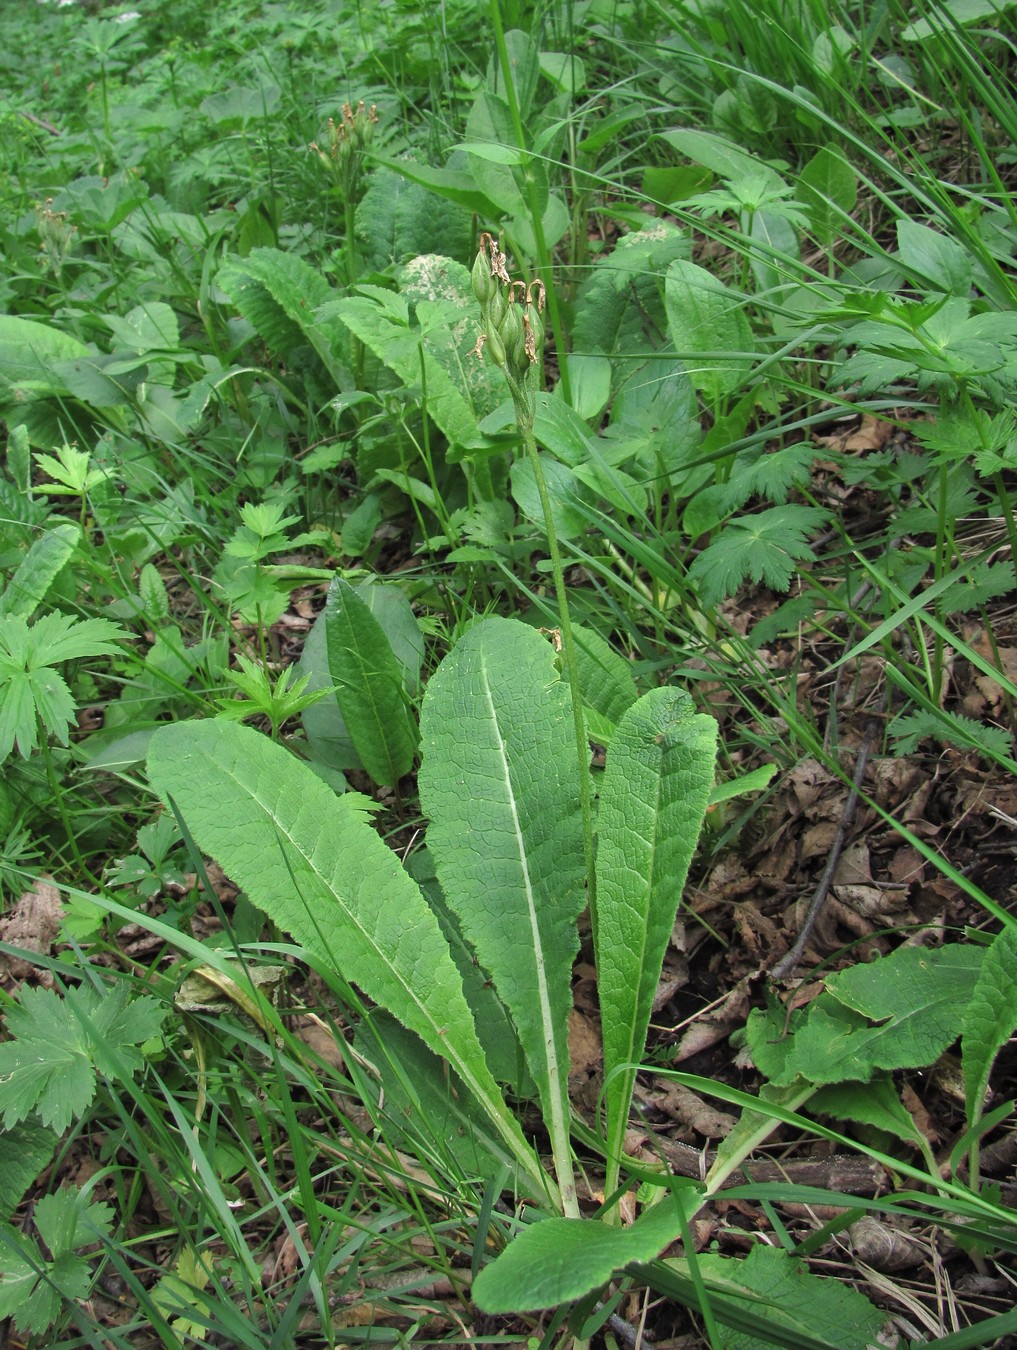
(499, 784)
(313, 863)
(652, 803)
(369, 684)
(989, 1018)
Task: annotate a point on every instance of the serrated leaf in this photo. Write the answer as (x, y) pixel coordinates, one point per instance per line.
(949, 728)
(279, 293)
(24, 1152)
(876, 1104)
(397, 219)
(989, 1018)
(914, 996)
(30, 689)
(659, 772)
(24, 1294)
(58, 1044)
(499, 784)
(28, 587)
(605, 677)
(708, 327)
(784, 1295)
(33, 1288)
(65, 1221)
(369, 686)
(313, 863)
(559, 1260)
(763, 547)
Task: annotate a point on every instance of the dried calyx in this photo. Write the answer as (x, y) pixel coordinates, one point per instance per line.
(513, 327)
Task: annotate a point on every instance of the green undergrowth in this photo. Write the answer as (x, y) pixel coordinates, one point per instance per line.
(395, 404)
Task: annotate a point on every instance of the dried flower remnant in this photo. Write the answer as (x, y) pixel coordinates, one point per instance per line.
(346, 142)
(55, 236)
(513, 329)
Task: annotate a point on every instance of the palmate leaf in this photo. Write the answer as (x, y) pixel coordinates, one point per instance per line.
(30, 689)
(762, 547)
(659, 772)
(499, 785)
(313, 863)
(58, 1044)
(24, 1151)
(33, 1288)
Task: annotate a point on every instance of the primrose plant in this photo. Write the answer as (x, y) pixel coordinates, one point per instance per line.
(504, 780)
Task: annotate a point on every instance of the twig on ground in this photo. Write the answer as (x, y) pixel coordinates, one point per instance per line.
(39, 122)
(785, 967)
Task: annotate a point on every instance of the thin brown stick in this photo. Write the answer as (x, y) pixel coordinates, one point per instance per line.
(854, 1175)
(785, 967)
(39, 122)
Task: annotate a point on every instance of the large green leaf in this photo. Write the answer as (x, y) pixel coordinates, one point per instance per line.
(278, 294)
(914, 996)
(24, 1151)
(989, 1018)
(313, 863)
(782, 1296)
(38, 569)
(558, 1260)
(438, 350)
(29, 350)
(499, 785)
(618, 309)
(709, 330)
(605, 677)
(656, 785)
(425, 1110)
(369, 685)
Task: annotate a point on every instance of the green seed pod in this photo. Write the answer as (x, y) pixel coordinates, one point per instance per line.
(485, 288)
(497, 307)
(495, 345)
(514, 336)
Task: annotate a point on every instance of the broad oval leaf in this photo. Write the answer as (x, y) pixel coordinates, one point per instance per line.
(313, 863)
(558, 1260)
(707, 321)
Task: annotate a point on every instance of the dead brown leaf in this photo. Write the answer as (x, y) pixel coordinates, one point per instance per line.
(871, 433)
(33, 925)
